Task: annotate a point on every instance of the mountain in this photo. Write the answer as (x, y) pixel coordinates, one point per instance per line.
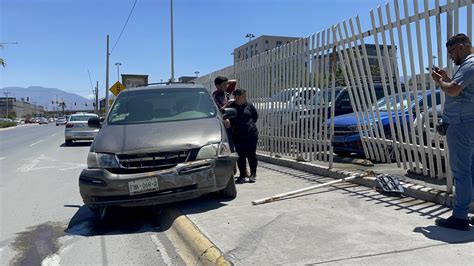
(44, 97)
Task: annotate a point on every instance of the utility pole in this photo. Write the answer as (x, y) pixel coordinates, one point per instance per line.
(6, 94)
(96, 98)
(172, 43)
(107, 78)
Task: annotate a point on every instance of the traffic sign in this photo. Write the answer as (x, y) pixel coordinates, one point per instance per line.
(117, 88)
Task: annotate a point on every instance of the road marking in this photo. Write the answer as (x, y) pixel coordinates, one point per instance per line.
(164, 255)
(28, 166)
(36, 143)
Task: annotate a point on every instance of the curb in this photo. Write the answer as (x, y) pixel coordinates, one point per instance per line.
(411, 190)
(206, 252)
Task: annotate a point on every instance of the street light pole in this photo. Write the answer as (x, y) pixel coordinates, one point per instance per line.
(6, 94)
(172, 43)
(197, 73)
(118, 64)
(250, 36)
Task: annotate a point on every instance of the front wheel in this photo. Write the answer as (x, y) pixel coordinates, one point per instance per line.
(230, 191)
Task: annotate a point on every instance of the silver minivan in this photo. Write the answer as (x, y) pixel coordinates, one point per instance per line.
(159, 144)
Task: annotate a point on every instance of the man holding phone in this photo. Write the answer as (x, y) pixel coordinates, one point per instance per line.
(458, 120)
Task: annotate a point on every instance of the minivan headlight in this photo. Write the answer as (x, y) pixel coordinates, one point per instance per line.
(101, 161)
(214, 150)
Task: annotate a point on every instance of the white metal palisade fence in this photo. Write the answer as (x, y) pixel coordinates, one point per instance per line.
(408, 36)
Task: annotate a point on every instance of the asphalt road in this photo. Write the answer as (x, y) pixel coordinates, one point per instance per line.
(42, 217)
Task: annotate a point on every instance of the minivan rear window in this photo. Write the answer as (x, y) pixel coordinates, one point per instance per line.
(161, 105)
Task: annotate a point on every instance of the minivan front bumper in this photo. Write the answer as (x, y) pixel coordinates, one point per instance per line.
(101, 187)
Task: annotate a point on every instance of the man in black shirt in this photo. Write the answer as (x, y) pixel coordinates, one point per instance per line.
(245, 134)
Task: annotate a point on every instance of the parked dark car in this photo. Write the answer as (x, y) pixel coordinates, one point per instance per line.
(342, 106)
(347, 139)
(159, 144)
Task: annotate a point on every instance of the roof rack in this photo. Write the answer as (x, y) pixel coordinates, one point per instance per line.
(165, 83)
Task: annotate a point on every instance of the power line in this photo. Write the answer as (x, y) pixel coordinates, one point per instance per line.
(90, 80)
(124, 26)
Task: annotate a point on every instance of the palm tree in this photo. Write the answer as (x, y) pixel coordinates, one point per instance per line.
(2, 62)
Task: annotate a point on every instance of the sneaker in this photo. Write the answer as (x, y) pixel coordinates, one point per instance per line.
(453, 223)
(471, 220)
(240, 180)
(252, 179)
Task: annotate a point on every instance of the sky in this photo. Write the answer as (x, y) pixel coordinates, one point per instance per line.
(60, 41)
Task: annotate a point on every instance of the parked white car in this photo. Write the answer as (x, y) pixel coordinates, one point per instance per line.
(77, 128)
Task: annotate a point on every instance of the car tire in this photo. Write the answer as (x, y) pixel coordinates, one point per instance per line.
(68, 142)
(230, 191)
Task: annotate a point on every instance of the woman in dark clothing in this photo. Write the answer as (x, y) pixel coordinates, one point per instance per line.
(245, 134)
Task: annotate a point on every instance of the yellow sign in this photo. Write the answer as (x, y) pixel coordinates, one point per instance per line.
(117, 88)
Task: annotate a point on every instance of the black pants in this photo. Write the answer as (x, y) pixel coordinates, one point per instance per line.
(246, 150)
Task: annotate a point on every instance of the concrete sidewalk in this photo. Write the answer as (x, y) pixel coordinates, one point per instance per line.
(345, 224)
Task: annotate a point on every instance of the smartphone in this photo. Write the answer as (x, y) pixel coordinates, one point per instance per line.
(434, 68)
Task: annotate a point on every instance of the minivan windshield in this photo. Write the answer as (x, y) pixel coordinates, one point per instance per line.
(161, 105)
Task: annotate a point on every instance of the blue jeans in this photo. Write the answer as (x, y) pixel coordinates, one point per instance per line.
(460, 138)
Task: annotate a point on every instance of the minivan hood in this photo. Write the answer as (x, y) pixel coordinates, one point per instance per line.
(157, 137)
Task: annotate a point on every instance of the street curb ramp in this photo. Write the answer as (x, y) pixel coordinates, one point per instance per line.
(202, 247)
(411, 190)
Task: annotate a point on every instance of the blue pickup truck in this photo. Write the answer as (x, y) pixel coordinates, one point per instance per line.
(347, 139)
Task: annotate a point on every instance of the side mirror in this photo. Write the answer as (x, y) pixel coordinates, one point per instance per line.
(229, 113)
(94, 122)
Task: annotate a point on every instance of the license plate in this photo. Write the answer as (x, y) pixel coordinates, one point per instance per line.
(143, 186)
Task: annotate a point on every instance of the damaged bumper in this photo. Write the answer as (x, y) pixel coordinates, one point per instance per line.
(102, 187)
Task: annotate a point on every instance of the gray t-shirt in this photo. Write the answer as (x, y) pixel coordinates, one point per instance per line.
(460, 108)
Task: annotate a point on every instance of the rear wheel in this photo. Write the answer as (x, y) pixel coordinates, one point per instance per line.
(230, 191)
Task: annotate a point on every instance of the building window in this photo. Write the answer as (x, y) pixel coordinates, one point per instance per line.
(239, 54)
(266, 45)
(278, 43)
